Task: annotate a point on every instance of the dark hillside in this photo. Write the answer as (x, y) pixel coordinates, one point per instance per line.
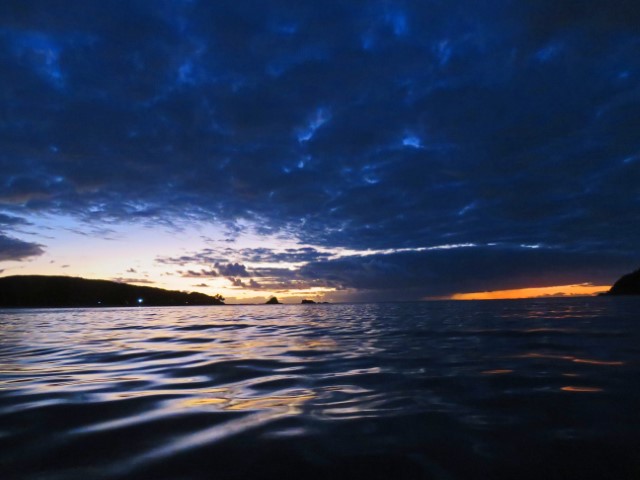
(628, 284)
(54, 291)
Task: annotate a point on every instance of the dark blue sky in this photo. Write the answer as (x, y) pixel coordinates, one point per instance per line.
(463, 145)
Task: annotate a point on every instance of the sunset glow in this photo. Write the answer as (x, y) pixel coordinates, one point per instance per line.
(534, 292)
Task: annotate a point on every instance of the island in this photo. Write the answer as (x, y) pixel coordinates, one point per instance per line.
(42, 291)
(310, 302)
(272, 301)
(628, 284)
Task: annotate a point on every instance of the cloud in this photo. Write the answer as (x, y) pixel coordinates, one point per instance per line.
(201, 273)
(237, 282)
(232, 270)
(288, 255)
(12, 249)
(504, 123)
(216, 256)
(10, 221)
(408, 275)
(203, 257)
(132, 280)
(414, 274)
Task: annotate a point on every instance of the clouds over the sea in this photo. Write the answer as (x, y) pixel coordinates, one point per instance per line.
(411, 274)
(362, 125)
(15, 249)
(12, 248)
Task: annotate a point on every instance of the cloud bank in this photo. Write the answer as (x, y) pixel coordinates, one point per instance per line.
(359, 125)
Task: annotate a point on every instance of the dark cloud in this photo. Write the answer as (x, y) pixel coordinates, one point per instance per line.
(206, 256)
(218, 269)
(232, 270)
(238, 282)
(268, 255)
(11, 221)
(201, 273)
(253, 255)
(409, 275)
(283, 279)
(132, 280)
(367, 125)
(12, 249)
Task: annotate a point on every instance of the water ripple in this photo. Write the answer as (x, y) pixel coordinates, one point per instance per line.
(397, 390)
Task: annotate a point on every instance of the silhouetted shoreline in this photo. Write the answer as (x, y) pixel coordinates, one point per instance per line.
(628, 284)
(42, 291)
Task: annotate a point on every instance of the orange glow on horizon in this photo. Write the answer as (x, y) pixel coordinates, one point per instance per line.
(534, 292)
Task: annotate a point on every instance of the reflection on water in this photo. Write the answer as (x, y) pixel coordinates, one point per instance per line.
(581, 389)
(423, 390)
(570, 358)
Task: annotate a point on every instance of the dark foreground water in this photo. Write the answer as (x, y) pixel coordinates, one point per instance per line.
(544, 389)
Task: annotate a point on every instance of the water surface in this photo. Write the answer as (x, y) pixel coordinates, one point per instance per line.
(444, 390)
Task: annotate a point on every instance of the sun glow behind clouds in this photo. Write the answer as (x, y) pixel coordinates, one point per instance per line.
(243, 266)
(534, 292)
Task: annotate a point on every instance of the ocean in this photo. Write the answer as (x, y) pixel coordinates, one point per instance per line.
(519, 389)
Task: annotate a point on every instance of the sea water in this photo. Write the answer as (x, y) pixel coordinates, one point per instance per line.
(544, 389)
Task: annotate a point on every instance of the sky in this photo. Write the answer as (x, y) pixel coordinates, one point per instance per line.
(340, 150)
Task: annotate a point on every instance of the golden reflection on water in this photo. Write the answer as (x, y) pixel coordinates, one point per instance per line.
(570, 358)
(236, 344)
(203, 402)
(597, 362)
(89, 381)
(574, 359)
(230, 400)
(550, 330)
(165, 392)
(288, 403)
(315, 344)
(576, 389)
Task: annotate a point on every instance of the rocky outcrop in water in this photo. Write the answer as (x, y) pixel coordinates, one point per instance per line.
(272, 301)
(628, 284)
